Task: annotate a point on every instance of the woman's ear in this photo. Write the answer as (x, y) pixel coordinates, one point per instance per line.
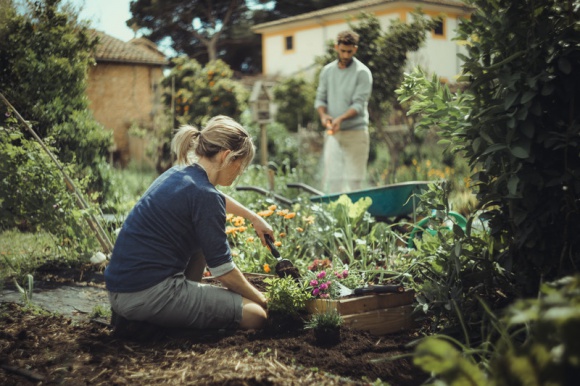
(223, 155)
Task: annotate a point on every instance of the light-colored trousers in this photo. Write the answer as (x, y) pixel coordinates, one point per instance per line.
(345, 156)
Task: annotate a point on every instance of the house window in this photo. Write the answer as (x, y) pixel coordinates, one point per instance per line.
(289, 43)
(439, 30)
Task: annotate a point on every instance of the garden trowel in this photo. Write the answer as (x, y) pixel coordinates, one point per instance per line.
(284, 267)
(371, 289)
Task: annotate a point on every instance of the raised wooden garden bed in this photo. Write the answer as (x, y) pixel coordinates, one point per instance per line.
(379, 314)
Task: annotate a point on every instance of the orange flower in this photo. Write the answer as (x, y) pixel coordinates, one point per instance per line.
(277, 243)
(242, 229)
(300, 229)
(265, 213)
(267, 268)
(283, 212)
(239, 221)
(231, 230)
(282, 234)
(250, 239)
(290, 215)
(272, 207)
(229, 217)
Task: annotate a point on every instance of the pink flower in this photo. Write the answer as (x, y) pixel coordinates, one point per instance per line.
(324, 296)
(313, 283)
(345, 273)
(321, 274)
(315, 292)
(323, 286)
(328, 283)
(338, 275)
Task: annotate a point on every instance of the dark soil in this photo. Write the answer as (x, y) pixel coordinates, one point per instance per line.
(41, 348)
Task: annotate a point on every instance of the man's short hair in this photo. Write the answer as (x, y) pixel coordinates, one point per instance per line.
(348, 38)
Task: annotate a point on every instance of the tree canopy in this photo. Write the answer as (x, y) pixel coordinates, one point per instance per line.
(219, 29)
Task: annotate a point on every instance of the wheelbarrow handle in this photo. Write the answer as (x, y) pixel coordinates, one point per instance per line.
(266, 193)
(305, 187)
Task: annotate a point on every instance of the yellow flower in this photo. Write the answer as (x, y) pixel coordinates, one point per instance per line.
(250, 239)
(290, 215)
(300, 229)
(414, 162)
(231, 230)
(242, 229)
(229, 217)
(267, 268)
(309, 220)
(428, 163)
(265, 213)
(272, 207)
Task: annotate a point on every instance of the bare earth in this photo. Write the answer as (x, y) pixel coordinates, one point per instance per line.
(67, 347)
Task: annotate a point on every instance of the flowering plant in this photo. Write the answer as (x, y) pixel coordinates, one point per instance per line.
(322, 284)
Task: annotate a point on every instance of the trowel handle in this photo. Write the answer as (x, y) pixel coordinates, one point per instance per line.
(380, 289)
(273, 249)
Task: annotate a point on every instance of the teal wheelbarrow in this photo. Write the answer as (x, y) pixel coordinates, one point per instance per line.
(388, 202)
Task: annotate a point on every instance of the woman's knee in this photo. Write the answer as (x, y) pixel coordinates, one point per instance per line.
(253, 316)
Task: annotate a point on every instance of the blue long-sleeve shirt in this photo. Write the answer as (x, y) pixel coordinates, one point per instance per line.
(180, 212)
(342, 89)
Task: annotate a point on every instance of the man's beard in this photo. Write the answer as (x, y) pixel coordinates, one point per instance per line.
(345, 62)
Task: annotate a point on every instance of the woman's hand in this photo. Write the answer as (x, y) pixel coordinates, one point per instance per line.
(262, 228)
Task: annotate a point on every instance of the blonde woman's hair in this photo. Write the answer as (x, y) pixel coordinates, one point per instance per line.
(220, 133)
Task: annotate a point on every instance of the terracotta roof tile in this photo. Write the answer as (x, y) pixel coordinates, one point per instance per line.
(136, 51)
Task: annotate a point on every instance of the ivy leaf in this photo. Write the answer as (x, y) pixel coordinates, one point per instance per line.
(513, 185)
(510, 99)
(521, 148)
(528, 96)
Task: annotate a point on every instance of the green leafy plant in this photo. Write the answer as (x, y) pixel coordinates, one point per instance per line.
(286, 296)
(330, 319)
(535, 341)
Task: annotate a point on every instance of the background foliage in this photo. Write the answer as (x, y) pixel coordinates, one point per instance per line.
(44, 56)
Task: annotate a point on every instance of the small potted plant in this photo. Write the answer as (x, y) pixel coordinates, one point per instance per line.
(326, 326)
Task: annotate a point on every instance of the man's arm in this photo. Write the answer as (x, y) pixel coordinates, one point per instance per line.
(260, 225)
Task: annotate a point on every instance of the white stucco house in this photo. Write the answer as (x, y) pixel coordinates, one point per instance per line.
(290, 45)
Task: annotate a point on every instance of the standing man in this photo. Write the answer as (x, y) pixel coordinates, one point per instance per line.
(342, 103)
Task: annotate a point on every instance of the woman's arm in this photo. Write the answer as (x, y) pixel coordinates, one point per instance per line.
(236, 282)
(260, 225)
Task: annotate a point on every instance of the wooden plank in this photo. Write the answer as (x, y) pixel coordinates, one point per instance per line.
(359, 304)
(381, 322)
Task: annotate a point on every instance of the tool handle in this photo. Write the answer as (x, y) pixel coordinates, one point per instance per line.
(380, 289)
(273, 249)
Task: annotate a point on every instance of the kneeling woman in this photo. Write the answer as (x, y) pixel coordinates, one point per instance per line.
(177, 228)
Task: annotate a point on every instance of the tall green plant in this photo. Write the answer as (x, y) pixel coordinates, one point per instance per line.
(518, 122)
(524, 129)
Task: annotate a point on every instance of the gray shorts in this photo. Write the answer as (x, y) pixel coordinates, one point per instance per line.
(181, 303)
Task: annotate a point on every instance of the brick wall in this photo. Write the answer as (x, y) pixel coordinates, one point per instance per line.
(121, 95)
